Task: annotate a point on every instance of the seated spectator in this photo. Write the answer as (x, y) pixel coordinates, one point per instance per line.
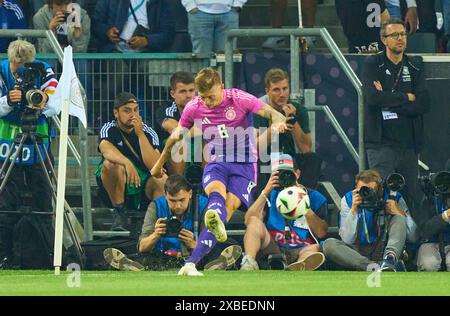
(182, 90)
(362, 228)
(31, 7)
(265, 234)
(278, 15)
(209, 21)
(169, 233)
(73, 29)
(434, 225)
(277, 96)
(12, 17)
(361, 21)
(296, 140)
(129, 150)
(133, 26)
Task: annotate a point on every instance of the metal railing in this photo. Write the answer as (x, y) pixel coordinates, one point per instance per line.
(106, 75)
(295, 35)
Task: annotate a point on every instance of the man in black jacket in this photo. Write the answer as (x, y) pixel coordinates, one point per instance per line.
(395, 101)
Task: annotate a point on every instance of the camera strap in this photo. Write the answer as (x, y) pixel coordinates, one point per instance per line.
(129, 146)
(399, 74)
(366, 230)
(137, 7)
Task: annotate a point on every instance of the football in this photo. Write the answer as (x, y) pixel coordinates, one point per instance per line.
(293, 202)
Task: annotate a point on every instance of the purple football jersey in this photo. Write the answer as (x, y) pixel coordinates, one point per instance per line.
(228, 127)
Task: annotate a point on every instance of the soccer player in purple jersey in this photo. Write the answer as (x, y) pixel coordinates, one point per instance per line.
(229, 178)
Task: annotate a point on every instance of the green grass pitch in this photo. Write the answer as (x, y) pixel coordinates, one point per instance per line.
(223, 283)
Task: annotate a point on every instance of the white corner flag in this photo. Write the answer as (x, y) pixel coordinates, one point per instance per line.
(68, 97)
(69, 88)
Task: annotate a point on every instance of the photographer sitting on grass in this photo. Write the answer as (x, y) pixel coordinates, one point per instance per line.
(167, 235)
(433, 220)
(363, 230)
(270, 241)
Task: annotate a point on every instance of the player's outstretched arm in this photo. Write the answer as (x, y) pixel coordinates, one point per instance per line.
(177, 135)
(275, 117)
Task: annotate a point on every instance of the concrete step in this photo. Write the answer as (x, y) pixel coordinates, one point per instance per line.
(92, 143)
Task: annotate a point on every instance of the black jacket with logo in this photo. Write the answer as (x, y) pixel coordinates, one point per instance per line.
(397, 80)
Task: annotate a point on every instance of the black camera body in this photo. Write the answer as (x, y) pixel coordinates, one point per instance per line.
(373, 201)
(436, 183)
(276, 262)
(26, 82)
(174, 227)
(287, 178)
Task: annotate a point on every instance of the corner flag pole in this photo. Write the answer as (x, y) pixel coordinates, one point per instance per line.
(64, 93)
(61, 189)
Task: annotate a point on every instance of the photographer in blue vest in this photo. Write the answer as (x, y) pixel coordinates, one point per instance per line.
(374, 226)
(268, 233)
(27, 87)
(433, 220)
(169, 233)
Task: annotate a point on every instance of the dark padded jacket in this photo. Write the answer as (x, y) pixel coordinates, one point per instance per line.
(109, 13)
(375, 69)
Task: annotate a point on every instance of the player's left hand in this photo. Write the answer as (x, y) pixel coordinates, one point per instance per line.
(157, 171)
(279, 127)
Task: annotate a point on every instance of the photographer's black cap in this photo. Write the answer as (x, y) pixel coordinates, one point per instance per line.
(124, 98)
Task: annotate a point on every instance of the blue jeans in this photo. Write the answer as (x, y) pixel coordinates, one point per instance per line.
(446, 14)
(208, 31)
(394, 11)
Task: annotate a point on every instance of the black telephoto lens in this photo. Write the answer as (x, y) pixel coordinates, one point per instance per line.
(34, 97)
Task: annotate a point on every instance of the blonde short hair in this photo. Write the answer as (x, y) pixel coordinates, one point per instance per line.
(21, 52)
(206, 79)
(368, 176)
(275, 75)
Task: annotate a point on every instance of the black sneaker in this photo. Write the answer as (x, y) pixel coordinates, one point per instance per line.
(117, 259)
(388, 264)
(400, 266)
(120, 220)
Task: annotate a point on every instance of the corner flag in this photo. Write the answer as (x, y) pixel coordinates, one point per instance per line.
(69, 88)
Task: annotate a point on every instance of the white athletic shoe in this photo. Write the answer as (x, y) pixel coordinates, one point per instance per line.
(189, 269)
(249, 264)
(310, 263)
(215, 225)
